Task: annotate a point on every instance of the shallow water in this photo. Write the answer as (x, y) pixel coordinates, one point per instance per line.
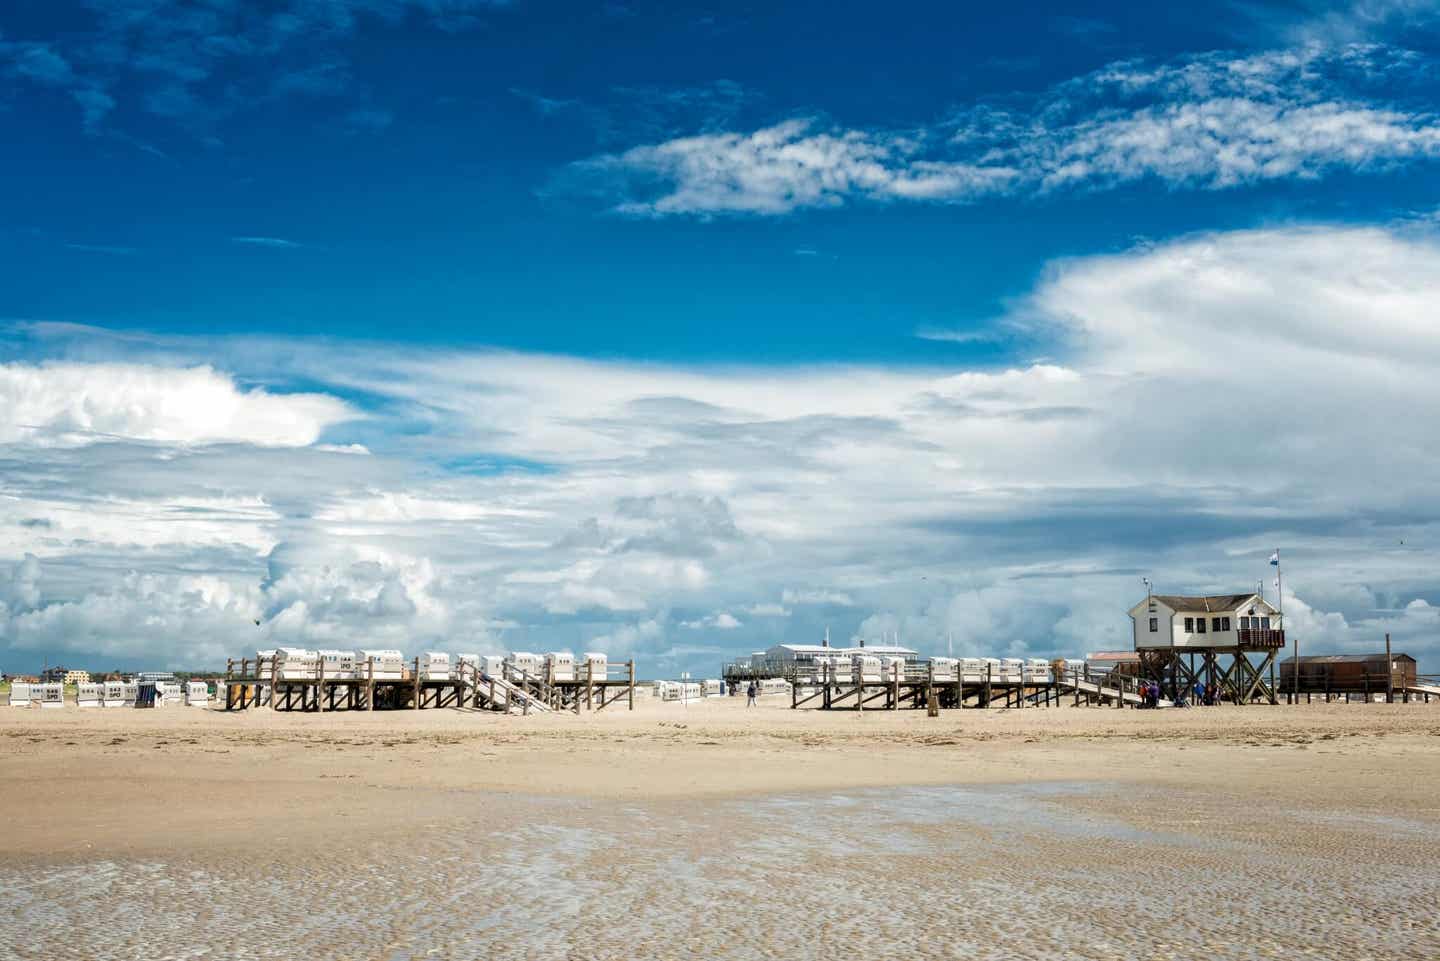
(995, 872)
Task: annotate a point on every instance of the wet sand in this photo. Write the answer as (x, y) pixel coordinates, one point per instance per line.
(717, 831)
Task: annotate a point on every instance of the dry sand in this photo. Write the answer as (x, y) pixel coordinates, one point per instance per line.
(719, 831)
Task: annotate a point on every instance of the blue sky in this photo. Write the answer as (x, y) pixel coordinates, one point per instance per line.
(684, 329)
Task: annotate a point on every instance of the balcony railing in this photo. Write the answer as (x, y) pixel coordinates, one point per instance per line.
(1260, 638)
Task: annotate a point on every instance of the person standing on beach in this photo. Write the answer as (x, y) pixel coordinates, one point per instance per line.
(750, 695)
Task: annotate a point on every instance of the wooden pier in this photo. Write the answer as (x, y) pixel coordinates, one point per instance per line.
(251, 683)
(919, 688)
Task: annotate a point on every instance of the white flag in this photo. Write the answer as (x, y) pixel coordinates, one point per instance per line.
(1275, 559)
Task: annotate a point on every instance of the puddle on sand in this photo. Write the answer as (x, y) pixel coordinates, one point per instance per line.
(985, 872)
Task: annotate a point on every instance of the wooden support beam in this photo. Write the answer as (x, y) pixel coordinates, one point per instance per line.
(1389, 672)
(821, 692)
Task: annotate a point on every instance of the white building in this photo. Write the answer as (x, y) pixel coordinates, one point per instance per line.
(782, 658)
(1211, 620)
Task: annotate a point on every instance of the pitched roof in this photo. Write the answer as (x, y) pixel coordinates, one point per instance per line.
(1209, 603)
(1347, 658)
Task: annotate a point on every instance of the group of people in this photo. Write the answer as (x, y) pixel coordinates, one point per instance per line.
(1206, 694)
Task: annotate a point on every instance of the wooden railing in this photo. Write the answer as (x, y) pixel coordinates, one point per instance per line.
(1260, 638)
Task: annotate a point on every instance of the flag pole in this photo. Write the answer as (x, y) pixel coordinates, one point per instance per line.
(1280, 615)
(1279, 591)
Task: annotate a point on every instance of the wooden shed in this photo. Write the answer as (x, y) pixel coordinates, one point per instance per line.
(1348, 673)
(1122, 662)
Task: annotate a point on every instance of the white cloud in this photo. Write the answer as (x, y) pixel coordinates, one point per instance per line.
(388, 507)
(74, 403)
(275, 243)
(772, 170)
(820, 597)
(1212, 121)
(720, 621)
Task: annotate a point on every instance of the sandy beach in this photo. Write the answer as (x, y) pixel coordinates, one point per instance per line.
(658, 833)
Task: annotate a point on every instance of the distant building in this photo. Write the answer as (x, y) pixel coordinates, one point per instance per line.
(1176, 621)
(77, 677)
(52, 675)
(782, 659)
(1348, 673)
(1103, 662)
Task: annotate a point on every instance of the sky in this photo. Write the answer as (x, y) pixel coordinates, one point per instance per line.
(680, 330)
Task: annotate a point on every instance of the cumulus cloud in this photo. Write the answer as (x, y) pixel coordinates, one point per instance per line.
(1207, 399)
(72, 403)
(1212, 121)
(181, 620)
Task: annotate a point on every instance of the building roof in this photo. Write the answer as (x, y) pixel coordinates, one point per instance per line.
(877, 649)
(1113, 656)
(1209, 603)
(1347, 658)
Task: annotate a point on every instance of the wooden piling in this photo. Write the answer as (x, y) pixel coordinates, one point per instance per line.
(1389, 672)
